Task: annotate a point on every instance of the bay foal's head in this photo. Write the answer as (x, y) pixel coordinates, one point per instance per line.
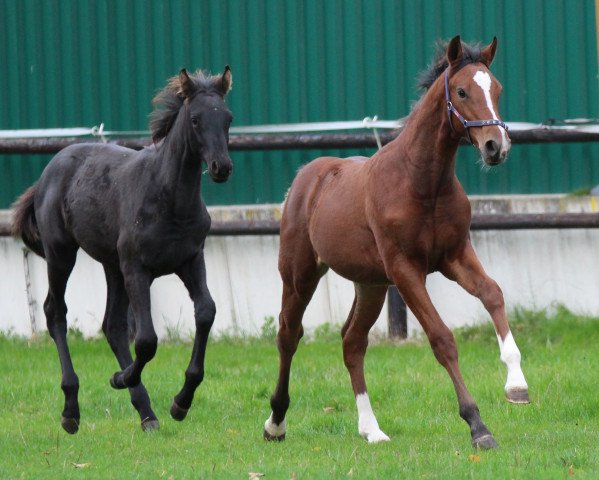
(200, 100)
(472, 94)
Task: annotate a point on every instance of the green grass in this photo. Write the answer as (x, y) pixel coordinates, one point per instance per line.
(556, 436)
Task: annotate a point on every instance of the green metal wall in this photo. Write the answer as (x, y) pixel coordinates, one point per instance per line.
(78, 63)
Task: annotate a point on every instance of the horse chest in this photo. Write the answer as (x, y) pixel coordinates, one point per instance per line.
(427, 235)
(164, 247)
(438, 237)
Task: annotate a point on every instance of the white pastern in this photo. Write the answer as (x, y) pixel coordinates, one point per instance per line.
(483, 80)
(273, 429)
(510, 355)
(368, 427)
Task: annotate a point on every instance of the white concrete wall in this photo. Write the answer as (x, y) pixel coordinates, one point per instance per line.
(242, 277)
(535, 268)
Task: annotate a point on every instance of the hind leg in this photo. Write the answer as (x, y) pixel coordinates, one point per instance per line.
(300, 274)
(115, 327)
(290, 332)
(468, 272)
(61, 260)
(365, 310)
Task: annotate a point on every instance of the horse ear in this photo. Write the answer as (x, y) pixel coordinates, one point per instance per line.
(185, 84)
(454, 50)
(488, 53)
(226, 80)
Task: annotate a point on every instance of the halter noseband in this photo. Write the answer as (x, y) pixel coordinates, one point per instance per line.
(467, 123)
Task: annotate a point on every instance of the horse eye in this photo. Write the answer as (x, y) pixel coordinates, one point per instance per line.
(461, 93)
(194, 122)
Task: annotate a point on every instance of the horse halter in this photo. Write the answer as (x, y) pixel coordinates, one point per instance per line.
(467, 123)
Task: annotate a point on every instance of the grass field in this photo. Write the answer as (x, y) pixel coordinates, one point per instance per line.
(556, 436)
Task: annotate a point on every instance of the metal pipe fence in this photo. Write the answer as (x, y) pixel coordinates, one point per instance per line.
(397, 310)
(304, 141)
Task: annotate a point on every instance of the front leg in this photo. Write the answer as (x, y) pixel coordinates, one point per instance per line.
(468, 272)
(409, 277)
(137, 285)
(193, 275)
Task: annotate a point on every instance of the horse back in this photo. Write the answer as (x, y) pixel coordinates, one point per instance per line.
(77, 195)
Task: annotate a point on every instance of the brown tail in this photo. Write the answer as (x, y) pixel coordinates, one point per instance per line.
(24, 224)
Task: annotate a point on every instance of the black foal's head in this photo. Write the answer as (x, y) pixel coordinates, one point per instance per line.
(206, 114)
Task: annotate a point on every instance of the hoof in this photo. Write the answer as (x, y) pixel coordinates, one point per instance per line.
(116, 382)
(70, 425)
(486, 442)
(377, 437)
(149, 425)
(273, 438)
(517, 395)
(177, 412)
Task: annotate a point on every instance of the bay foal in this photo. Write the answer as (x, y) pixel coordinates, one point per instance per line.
(392, 219)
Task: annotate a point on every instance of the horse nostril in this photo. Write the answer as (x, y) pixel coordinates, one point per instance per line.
(214, 166)
(492, 148)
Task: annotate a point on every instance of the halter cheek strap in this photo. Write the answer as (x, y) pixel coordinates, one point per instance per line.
(467, 123)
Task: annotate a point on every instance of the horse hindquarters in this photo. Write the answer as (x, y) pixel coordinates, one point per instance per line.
(24, 223)
(50, 236)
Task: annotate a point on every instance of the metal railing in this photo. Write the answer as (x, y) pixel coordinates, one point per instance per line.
(258, 140)
(283, 137)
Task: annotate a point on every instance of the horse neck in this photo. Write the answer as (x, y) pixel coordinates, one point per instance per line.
(425, 150)
(180, 167)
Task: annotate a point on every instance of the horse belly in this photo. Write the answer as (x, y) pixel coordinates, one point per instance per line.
(349, 251)
(92, 224)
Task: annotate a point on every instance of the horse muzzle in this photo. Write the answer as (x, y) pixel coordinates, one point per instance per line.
(220, 170)
(495, 151)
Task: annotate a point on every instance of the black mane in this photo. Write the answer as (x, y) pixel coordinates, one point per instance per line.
(168, 101)
(472, 54)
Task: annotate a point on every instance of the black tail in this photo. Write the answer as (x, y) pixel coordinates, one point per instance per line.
(24, 224)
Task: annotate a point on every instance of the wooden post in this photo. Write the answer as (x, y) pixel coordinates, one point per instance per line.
(398, 315)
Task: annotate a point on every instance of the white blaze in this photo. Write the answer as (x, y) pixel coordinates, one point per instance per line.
(483, 80)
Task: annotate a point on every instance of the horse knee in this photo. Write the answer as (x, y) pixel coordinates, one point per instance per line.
(443, 346)
(146, 346)
(194, 376)
(492, 296)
